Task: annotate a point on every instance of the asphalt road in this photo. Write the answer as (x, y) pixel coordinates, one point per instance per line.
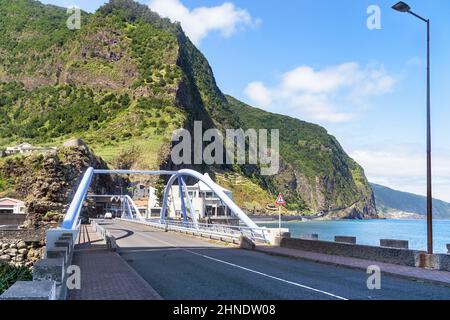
(183, 267)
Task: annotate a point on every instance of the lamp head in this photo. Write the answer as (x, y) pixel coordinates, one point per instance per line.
(401, 7)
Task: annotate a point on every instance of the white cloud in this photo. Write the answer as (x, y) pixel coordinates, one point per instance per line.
(332, 94)
(415, 61)
(198, 22)
(259, 93)
(405, 170)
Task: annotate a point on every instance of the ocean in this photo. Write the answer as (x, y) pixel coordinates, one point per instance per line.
(370, 232)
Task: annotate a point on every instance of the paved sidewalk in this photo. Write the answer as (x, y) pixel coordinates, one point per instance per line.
(104, 274)
(434, 276)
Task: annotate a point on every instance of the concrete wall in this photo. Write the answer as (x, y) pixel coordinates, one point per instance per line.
(12, 219)
(405, 257)
(388, 255)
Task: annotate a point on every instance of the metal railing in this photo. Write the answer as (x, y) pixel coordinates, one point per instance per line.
(218, 230)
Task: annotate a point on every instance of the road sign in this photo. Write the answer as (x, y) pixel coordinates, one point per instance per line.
(280, 200)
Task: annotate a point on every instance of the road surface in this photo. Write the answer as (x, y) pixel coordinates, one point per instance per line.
(183, 267)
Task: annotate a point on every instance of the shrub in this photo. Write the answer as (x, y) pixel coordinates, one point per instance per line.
(10, 274)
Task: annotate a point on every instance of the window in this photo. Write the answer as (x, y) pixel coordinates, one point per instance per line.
(209, 211)
(208, 195)
(220, 211)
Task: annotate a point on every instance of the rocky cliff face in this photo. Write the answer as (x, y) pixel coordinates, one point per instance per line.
(124, 82)
(48, 182)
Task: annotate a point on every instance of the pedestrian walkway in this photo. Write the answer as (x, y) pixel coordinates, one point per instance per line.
(435, 276)
(104, 274)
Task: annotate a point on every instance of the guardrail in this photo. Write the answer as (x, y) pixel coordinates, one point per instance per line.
(105, 234)
(260, 235)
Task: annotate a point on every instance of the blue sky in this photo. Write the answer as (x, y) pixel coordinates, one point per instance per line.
(318, 61)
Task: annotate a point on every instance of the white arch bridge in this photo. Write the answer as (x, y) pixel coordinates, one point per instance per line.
(246, 227)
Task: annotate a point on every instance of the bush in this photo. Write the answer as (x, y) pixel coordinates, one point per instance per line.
(10, 274)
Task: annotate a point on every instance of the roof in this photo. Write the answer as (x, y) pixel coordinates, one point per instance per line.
(11, 202)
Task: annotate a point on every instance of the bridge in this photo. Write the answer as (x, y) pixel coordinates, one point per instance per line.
(248, 228)
(137, 258)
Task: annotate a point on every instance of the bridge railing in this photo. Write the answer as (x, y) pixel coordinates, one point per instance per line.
(220, 230)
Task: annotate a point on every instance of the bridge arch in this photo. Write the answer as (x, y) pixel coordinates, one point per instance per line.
(213, 186)
(73, 213)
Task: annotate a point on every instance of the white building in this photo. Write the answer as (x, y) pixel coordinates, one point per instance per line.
(27, 148)
(205, 203)
(9, 205)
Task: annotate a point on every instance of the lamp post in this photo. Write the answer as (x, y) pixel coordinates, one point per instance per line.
(403, 7)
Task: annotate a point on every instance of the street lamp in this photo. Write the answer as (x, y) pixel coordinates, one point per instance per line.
(403, 7)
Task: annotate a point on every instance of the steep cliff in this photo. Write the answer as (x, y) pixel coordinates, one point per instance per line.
(47, 182)
(127, 79)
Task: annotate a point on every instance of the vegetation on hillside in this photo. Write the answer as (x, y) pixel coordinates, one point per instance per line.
(390, 200)
(309, 149)
(127, 79)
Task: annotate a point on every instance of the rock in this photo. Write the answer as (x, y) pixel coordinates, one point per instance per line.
(5, 257)
(22, 251)
(21, 245)
(13, 246)
(5, 246)
(12, 252)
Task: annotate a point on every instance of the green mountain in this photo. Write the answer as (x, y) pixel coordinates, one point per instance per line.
(389, 200)
(127, 79)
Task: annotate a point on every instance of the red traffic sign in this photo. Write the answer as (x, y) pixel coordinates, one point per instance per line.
(280, 200)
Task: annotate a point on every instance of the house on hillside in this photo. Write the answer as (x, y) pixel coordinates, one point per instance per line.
(26, 148)
(11, 206)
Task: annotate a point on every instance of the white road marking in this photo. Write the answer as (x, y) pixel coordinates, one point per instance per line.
(248, 269)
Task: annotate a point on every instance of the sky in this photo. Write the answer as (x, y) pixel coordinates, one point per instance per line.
(317, 60)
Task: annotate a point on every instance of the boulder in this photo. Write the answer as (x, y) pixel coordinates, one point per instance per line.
(5, 257)
(21, 245)
(22, 251)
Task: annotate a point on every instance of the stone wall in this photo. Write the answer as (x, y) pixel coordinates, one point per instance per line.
(22, 247)
(19, 253)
